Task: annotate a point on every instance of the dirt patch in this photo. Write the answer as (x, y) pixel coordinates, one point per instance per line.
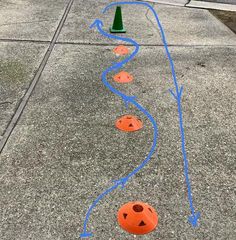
(228, 18)
(12, 72)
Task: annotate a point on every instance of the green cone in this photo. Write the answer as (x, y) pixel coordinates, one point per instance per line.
(118, 23)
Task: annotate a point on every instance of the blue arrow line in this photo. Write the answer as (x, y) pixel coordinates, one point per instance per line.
(127, 99)
(193, 218)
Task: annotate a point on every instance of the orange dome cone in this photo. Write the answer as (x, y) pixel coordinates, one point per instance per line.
(121, 50)
(129, 123)
(137, 218)
(123, 77)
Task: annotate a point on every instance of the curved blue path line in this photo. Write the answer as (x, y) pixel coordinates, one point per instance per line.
(127, 100)
(193, 218)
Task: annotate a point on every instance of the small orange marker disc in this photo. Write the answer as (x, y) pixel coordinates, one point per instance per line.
(129, 123)
(121, 50)
(123, 77)
(137, 218)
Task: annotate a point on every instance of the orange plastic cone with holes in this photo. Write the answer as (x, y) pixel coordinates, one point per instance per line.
(137, 218)
(129, 123)
(121, 50)
(123, 77)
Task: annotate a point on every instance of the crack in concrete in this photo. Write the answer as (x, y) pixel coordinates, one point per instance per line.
(150, 20)
(187, 3)
(6, 102)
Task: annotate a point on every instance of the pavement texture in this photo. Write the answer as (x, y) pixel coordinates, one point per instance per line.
(64, 150)
(35, 20)
(219, 1)
(217, 5)
(195, 27)
(18, 63)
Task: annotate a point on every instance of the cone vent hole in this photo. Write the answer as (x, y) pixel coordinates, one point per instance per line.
(150, 210)
(142, 223)
(138, 208)
(125, 215)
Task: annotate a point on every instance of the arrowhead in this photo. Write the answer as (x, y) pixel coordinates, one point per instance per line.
(181, 91)
(178, 95)
(97, 23)
(85, 234)
(193, 219)
(173, 94)
(128, 99)
(121, 182)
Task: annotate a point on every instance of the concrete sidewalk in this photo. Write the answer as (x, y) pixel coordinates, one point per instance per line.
(219, 1)
(224, 5)
(64, 150)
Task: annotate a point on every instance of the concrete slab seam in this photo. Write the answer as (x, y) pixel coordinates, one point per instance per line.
(24, 40)
(113, 44)
(144, 45)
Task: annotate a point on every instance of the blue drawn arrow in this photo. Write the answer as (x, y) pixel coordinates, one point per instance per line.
(127, 100)
(193, 218)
